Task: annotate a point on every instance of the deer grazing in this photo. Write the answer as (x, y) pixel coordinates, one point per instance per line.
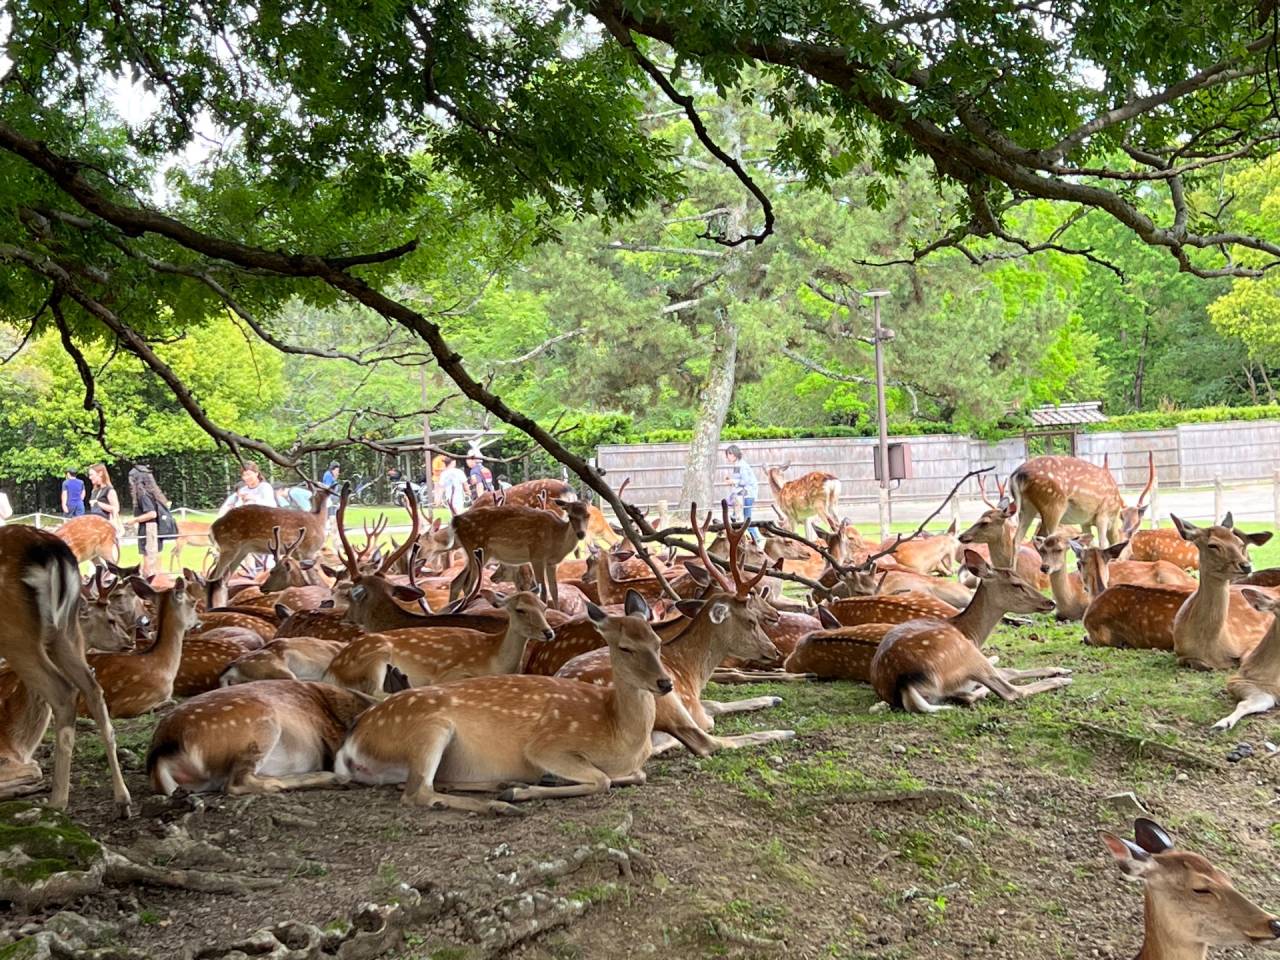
(1190, 905)
(1070, 490)
(91, 538)
(479, 734)
(40, 590)
(922, 664)
(246, 530)
(1210, 632)
(259, 737)
(816, 495)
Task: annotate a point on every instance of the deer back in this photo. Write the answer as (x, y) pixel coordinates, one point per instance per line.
(252, 524)
(90, 537)
(898, 608)
(1075, 489)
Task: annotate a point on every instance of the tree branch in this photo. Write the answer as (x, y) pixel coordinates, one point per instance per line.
(830, 374)
(540, 348)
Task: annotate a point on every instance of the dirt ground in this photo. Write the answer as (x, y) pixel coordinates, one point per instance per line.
(966, 834)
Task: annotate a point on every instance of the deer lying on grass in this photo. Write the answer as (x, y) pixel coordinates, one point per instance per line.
(206, 656)
(1256, 685)
(137, 683)
(292, 581)
(91, 538)
(1071, 490)
(814, 495)
(287, 658)
(1190, 905)
(40, 593)
(246, 530)
(1098, 568)
(260, 737)
(481, 733)
(996, 529)
(895, 608)
(923, 663)
(928, 554)
(1165, 545)
(1210, 632)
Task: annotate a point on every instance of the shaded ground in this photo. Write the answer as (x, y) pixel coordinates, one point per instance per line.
(968, 834)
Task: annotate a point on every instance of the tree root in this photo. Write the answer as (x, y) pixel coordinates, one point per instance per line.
(1139, 746)
(120, 869)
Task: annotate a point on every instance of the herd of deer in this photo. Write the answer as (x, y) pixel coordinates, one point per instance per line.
(414, 666)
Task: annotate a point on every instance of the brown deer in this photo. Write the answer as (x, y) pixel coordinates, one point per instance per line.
(481, 733)
(814, 495)
(40, 590)
(1256, 685)
(921, 665)
(1164, 544)
(1209, 631)
(895, 608)
(1190, 905)
(531, 493)
(1071, 490)
(927, 554)
(996, 529)
(91, 538)
(206, 656)
(1097, 569)
(246, 530)
(137, 683)
(191, 533)
(259, 737)
(287, 658)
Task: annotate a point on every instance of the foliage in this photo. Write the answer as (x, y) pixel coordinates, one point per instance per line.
(1163, 419)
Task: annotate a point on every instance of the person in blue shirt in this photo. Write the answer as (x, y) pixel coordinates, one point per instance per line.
(73, 495)
(744, 486)
(332, 475)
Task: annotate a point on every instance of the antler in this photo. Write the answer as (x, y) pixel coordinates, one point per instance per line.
(466, 600)
(899, 540)
(1151, 477)
(394, 557)
(982, 492)
(622, 487)
(295, 542)
(734, 536)
(348, 555)
(274, 543)
(371, 538)
(700, 535)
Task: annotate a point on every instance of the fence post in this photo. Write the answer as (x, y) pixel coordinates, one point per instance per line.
(955, 510)
(1154, 502)
(1217, 499)
(1275, 496)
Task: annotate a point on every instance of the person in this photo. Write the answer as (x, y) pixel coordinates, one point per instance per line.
(480, 477)
(253, 488)
(502, 482)
(151, 513)
(453, 486)
(332, 475)
(331, 479)
(6, 508)
(742, 479)
(73, 495)
(103, 499)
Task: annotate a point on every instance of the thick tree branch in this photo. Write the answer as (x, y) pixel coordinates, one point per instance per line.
(541, 348)
(830, 374)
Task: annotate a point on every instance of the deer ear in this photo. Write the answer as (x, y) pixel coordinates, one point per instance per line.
(719, 612)
(1133, 861)
(403, 592)
(283, 611)
(1113, 552)
(951, 530)
(1038, 542)
(1151, 836)
(1186, 529)
(1254, 539)
(1077, 547)
(820, 531)
(689, 608)
(1229, 521)
(142, 588)
(1010, 509)
(700, 576)
(828, 619)
(636, 605)
(1260, 601)
(596, 615)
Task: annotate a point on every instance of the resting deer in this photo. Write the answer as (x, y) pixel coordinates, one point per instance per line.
(1190, 905)
(1210, 632)
(286, 658)
(40, 593)
(996, 529)
(91, 538)
(896, 608)
(260, 737)
(246, 530)
(1071, 490)
(1097, 569)
(479, 734)
(1164, 544)
(1256, 685)
(923, 663)
(927, 554)
(136, 683)
(814, 495)
(206, 656)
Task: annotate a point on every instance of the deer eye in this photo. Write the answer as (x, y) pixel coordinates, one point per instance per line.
(1202, 891)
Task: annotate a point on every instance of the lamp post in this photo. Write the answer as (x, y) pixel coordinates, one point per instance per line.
(881, 336)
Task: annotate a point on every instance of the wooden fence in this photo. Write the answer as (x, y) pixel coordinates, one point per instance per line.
(1186, 456)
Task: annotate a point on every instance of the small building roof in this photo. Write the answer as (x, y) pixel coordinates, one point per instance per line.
(413, 441)
(1068, 414)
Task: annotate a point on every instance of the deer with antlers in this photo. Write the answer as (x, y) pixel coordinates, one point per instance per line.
(40, 591)
(1071, 490)
(816, 495)
(91, 538)
(1209, 632)
(292, 581)
(924, 665)
(1190, 905)
(260, 737)
(996, 529)
(246, 530)
(478, 735)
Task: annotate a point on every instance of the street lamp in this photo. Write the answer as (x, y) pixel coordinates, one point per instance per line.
(883, 453)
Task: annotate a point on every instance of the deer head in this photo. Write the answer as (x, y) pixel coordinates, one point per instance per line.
(633, 646)
(1223, 549)
(1005, 588)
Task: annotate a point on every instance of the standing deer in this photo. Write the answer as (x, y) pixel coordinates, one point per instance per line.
(1071, 490)
(1190, 905)
(816, 495)
(923, 663)
(246, 530)
(40, 592)
(479, 734)
(1209, 632)
(91, 538)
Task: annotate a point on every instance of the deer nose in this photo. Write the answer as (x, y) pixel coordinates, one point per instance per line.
(1246, 568)
(582, 536)
(1275, 928)
(664, 686)
(548, 634)
(1044, 568)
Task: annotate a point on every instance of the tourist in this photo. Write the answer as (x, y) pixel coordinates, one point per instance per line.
(151, 513)
(73, 495)
(743, 486)
(453, 487)
(103, 500)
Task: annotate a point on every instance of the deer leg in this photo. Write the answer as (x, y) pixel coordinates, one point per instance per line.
(584, 779)
(733, 675)
(53, 688)
(1005, 690)
(252, 783)
(716, 708)
(1036, 674)
(419, 788)
(913, 701)
(553, 585)
(1257, 701)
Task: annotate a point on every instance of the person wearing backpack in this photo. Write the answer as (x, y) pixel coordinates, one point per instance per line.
(151, 512)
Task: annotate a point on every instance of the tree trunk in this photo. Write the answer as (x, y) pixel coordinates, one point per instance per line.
(1139, 374)
(1266, 381)
(713, 406)
(1253, 384)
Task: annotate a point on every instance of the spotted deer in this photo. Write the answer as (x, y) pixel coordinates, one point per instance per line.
(1189, 904)
(897, 608)
(40, 593)
(1209, 631)
(286, 658)
(246, 530)
(260, 737)
(1071, 490)
(1097, 568)
(1164, 544)
(996, 529)
(531, 493)
(1256, 685)
(921, 665)
(477, 735)
(816, 495)
(927, 554)
(91, 538)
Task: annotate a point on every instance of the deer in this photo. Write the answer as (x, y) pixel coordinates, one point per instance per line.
(190, 533)
(91, 538)
(432, 655)
(816, 494)
(287, 658)
(206, 656)
(518, 535)
(1209, 632)
(837, 652)
(530, 493)
(478, 734)
(996, 529)
(137, 683)
(1058, 489)
(927, 554)
(261, 737)
(1189, 904)
(1256, 685)
(1100, 567)
(246, 530)
(921, 665)
(289, 578)
(1164, 544)
(896, 608)
(40, 589)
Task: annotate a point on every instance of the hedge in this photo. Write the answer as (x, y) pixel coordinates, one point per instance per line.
(1164, 419)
